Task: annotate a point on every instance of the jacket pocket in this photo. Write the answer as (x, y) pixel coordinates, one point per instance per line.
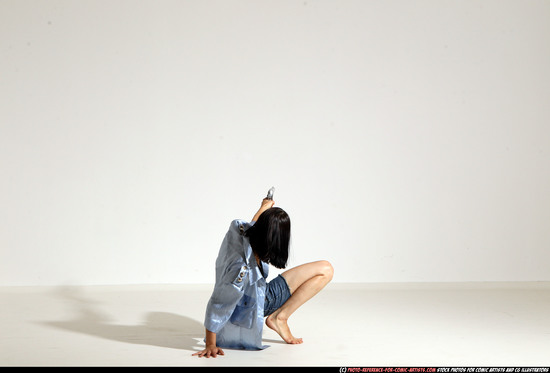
(244, 313)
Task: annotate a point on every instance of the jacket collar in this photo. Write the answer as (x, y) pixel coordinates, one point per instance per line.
(255, 274)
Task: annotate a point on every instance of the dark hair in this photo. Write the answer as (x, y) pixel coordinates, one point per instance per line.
(270, 237)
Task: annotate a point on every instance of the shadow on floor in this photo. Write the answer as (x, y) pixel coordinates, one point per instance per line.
(160, 329)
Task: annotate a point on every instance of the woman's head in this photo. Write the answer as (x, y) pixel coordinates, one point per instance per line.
(270, 237)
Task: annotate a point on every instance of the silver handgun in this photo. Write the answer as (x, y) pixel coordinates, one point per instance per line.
(270, 193)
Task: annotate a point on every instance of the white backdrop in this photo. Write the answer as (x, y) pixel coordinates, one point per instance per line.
(408, 140)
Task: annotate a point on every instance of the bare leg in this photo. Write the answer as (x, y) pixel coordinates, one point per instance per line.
(304, 282)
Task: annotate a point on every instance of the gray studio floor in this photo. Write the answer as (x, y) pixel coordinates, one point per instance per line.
(467, 324)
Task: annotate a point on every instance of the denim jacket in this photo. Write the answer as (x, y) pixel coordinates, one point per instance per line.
(235, 310)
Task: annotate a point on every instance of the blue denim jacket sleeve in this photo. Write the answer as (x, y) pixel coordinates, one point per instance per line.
(227, 293)
(236, 308)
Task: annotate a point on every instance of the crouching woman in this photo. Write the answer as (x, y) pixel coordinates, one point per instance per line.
(242, 298)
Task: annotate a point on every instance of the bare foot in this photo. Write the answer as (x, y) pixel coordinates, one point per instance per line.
(281, 327)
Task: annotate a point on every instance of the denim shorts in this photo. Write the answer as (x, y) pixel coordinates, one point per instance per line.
(277, 293)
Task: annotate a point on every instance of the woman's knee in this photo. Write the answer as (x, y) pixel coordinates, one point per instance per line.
(326, 269)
